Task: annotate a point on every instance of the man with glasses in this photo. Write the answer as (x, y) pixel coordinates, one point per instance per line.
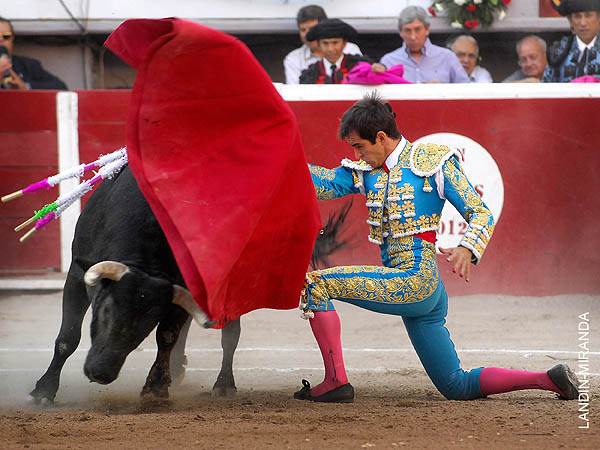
(577, 55)
(532, 60)
(19, 72)
(466, 49)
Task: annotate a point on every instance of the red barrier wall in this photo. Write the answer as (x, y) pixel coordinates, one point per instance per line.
(28, 153)
(546, 241)
(102, 117)
(548, 237)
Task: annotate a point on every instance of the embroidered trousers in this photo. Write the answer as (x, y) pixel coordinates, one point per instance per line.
(422, 302)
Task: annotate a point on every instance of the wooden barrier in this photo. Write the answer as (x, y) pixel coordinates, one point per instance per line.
(542, 139)
(28, 153)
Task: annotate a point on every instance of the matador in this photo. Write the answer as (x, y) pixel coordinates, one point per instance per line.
(406, 187)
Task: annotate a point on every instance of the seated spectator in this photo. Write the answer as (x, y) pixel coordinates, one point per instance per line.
(19, 72)
(298, 60)
(331, 36)
(466, 49)
(532, 60)
(579, 54)
(423, 62)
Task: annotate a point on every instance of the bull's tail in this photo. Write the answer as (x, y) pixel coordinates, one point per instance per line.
(329, 240)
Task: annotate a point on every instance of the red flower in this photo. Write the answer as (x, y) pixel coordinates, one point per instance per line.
(472, 8)
(431, 11)
(471, 23)
(506, 2)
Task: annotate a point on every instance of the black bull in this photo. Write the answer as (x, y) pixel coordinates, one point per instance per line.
(123, 266)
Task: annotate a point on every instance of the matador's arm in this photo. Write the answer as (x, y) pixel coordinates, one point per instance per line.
(459, 191)
(335, 183)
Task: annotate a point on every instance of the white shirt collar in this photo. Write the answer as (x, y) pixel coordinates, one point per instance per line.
(583, 45)
(327, 64)
(393, 157)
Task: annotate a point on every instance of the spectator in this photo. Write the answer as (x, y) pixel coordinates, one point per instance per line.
(532, 60)
(331, 36)
(579, 54)
(298, 60)
(19, 72)
(423, 62)
(466, 49)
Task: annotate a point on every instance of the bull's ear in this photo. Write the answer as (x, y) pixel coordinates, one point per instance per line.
(83, 263)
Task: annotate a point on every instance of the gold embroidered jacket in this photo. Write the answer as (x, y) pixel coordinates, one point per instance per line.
(409, 200)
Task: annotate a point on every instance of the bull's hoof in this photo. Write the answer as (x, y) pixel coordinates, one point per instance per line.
(224, 391)
(36, 397)
(41, 401)
(153, 392)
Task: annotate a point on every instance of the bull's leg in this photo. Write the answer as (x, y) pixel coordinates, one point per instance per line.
(159, 378)
(178, 358)
(230, 336)
(75, 303)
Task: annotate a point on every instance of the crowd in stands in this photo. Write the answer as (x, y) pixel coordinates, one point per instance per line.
(328, 55)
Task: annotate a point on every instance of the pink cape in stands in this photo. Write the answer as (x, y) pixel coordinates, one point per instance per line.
(217, 153)
(362, 74)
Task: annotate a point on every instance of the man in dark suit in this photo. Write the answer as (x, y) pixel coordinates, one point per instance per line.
(19, 72)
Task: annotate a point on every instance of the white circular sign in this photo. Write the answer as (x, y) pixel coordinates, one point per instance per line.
(484, 175)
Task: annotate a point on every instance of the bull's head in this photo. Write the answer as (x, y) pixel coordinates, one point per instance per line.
(127, 304)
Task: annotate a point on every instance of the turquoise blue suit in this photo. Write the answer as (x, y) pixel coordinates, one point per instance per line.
(564, 61)
(402, 204)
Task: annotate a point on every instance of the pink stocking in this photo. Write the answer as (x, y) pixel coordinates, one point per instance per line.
(327, 331)
(494, 380)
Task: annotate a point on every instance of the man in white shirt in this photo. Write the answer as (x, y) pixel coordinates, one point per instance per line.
(466, 49)
(298, 60)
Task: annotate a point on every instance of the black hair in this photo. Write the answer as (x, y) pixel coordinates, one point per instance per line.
(310, 12)
(369, 116)
(12, 30)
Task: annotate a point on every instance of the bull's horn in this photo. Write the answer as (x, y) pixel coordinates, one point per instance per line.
(105, 269)
(183, 298)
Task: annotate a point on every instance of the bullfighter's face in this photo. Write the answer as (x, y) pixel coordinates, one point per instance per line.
(332, 48)
(585, 24)
(373, 154)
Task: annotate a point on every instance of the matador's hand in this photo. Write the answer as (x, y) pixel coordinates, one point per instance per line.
(461, 257)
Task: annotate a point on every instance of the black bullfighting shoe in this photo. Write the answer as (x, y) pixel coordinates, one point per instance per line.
(341, 394)
(565, 380)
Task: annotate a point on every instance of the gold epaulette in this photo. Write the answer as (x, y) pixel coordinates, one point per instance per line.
(427, 159)
(356, 165)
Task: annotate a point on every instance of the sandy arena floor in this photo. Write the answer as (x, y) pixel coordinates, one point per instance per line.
(396, 405)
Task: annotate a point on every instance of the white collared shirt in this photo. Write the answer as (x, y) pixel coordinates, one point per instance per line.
(328, 65)
(582, 45)
(393, 157)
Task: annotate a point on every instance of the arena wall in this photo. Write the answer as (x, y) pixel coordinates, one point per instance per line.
(541, 138)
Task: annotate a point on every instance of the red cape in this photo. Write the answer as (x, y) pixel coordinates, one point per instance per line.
(217, 153)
